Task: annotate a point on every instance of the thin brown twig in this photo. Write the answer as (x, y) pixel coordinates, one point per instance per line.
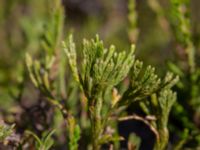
(144, 120)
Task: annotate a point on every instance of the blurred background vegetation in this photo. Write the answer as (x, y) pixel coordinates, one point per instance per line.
(23, 24)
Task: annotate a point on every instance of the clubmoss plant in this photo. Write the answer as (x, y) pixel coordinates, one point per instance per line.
(133, 30)
(100, 72)
(102, 69)
(47, 75)
(5, 132)
(45, 143)
(181, 27)
(148, 84)
(187, 68)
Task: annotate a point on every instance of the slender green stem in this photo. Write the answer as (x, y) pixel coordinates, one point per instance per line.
(191, 57)
(96, 121)
(161, 142)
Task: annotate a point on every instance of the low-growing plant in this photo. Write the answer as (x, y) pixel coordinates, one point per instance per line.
(100, 72)
(179, 20)
(5, 132)
(45, 143)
